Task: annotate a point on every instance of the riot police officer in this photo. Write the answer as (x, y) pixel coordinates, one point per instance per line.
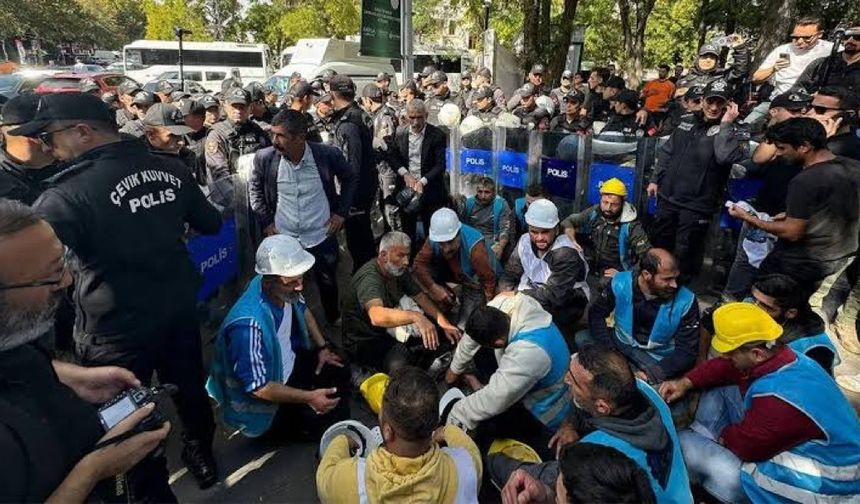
(564, 89)
(484, 106)
(322, 117)
(441, 94)
(571, 120)
(233, 137)
(126, 91)
(212, 107)
(139, 105)
(384, 124)
(257, 109)
(299, 98)
(194, 115)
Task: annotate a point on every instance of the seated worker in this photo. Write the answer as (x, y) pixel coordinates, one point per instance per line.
(384, 321)
(614, 238)
(414, 464)
(525, 396)
(548, 266)
(609, 476)
(785, 433)
(265, 373)
(490, 214)
(456, 253)
(656, 322)
(521, 205)
(613, 409)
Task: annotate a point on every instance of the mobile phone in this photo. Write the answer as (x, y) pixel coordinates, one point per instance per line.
(784, 56)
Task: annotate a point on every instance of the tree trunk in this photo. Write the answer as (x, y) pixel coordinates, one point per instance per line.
(779, 15)
(531, 29)
(634, 19)
(703, 27)
(565, 30)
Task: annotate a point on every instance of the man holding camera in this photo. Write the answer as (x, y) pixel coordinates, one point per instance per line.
(48, 424)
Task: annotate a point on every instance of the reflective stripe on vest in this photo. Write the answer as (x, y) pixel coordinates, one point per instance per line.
(548, 399)
(467, 476)
(661, 342)
(520, 211)
(536, 270)
(808, 343)
(818, 470)
(677, 489)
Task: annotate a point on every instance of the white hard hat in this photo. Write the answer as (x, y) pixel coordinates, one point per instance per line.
(449, 115)
(470, 124)
(283, 256)
(366, 439)
(542, 214)
(444, 225)
(546, 103)
(447, 401)
(508, 120)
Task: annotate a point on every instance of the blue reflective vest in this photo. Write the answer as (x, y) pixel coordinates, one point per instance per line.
(677, 487)
(822, 340)
(661, 342)
(549, 399)
(498, 206)
(242, 410)
(520, 211)
(623, 239)
(818, 470)
(469, 237)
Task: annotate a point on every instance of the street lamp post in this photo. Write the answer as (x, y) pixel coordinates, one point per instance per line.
(487, 4)
(181, 32)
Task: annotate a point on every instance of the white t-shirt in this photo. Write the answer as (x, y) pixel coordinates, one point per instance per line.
(782, 80)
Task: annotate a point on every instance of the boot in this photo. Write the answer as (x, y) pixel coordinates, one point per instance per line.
(200, 462)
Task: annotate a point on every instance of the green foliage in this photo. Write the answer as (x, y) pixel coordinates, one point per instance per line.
(672, 29)
(162, 16)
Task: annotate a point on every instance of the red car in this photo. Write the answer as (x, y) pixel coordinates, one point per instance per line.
(70, 82)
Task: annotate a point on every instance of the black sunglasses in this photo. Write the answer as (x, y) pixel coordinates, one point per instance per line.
(47, 137)
(67, 259)
(805, 38)
(852, 36)
(820, 109)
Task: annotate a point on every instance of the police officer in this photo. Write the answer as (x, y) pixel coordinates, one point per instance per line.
(123, 213)
(164, 90)
(536, 80)
(383, 82)
(384, 123)
(194, 116)
(439, 95)
(690, 176)
(257, 109)
(24, 166)
(212, 107)
(127, 90)
(325, 77)
(166, 133)
(484, 78)
(139, 105)
(235, 136)
(424, 76)
(564, 89)
(706, 70)
(623, 117)
(466, 90)
(528, 106)
(299, 98)
(90, 86)
(484, 107)
(571, 119)
(322, 118)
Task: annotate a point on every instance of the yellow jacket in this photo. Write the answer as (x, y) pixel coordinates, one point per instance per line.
(432, 477)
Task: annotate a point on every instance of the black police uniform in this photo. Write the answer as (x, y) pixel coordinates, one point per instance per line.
(624, 124)
(123, 116)
(436, 102)
(228, 141)
(196, 143)
(561, 124)
(134, 128)
(489, 115)
(123, 212)
(384, 126)
(22, 183)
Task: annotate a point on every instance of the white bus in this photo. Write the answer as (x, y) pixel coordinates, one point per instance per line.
(206, 62)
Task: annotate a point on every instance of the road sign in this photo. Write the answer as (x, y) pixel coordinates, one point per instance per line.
(380, 28)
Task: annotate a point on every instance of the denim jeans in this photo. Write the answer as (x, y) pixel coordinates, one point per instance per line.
(743, 274)
(711, 465)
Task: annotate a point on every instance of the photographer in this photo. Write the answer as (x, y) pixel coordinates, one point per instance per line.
(48, 425)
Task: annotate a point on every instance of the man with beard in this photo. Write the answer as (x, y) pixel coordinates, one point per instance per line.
(273, 369)
(690, 177)
(233, 137)
(384, 324)
(439, 94)
(456, 254)
(656, 322)
(490, 214)
(24, 164)
(842, 69)
(49, 424)
(615, 239)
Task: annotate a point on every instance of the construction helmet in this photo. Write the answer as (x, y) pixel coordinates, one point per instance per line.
(737, 324)
(372, 389)
(542, 214)
(282, 255)
(444, 225)
(614, 186)
(515, 450)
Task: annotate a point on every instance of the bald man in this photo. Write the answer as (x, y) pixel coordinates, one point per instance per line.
(656, 321)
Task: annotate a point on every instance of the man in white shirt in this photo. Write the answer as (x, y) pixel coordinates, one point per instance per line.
(787, 62)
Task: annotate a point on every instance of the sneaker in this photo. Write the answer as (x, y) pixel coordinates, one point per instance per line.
(200, 463)
(847, 338)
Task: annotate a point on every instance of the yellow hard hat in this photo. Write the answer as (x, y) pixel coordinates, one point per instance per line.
(515, 450)
(372, 389)
(614, 186)
(737, 324)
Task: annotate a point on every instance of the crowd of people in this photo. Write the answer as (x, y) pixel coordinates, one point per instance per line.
(579, 361)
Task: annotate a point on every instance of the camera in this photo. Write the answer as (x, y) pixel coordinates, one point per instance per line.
(131, 400)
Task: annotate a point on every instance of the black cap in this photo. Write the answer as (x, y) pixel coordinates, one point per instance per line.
(143, 98)
(437, 77)
(483, 92)
(616, 82)
(302, 89)
(717, 89)
(19, 110)
(208, 101)
(792, 100)
(567, 74)
(325, 97)
(178, 95)
(255, 91)
(383, 76)
(65, 107)
(341, 84)
(709, 49)
(237, 95)
(527, 90)
(88, 85)
(467, 75)
(574, 96)
(538, 69)
(128, 87)
(164, 86)
(694, 92)
(165, 115)
(189, 107)
(426, 71)
(326, 75)
(627, 97)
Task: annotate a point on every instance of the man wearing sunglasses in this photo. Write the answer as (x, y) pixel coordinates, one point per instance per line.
(840, 69)
(23, 164)
(123, 212)
(786, 62)
(836, 109)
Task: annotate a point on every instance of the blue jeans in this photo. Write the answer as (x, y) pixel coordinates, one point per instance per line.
(710, 464)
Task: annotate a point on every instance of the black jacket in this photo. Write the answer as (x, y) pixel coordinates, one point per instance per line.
(841, 74)
(21, 183)
(432, 161)
(734, 74)
(263, 183)
(123, 212)
(694, 163)
(355, 139)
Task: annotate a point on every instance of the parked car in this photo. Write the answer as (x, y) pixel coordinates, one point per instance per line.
(70, 82)
(24, 81)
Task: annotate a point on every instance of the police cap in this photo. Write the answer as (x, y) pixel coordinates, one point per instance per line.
(65, 107)
(165, 115)
(237, 95)
(20, 109)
